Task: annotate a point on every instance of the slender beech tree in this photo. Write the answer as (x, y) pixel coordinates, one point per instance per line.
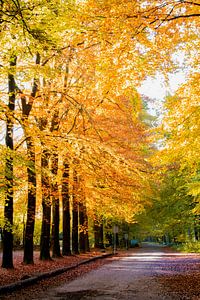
(46, 208)
(82, 243)
(83, 222)
(56, 207)
(54, 191)
(75, 218)
(98, 234)
(31, 206)
(43, 123)
(66, 249)
(7, 261)
(87, 244)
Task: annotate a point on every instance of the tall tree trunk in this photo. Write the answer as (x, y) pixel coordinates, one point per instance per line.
(87, 235)
(46, 206)
(83, 221)
(31, 206)
(75, 221)
(98, 234)
(54, 191)
(56, 207)
(66, 249)
(82, 242)
(83, 224)
(7, 261)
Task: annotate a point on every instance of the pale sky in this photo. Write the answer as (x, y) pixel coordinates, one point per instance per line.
(156, 87)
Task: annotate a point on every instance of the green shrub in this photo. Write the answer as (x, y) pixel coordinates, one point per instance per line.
(190, 247)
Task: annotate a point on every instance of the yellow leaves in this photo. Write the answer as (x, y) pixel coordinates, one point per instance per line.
(110, 168)
(92, 55)
(180, 134)
(182, 120)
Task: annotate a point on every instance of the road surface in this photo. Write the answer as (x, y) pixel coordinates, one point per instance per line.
(134, 276)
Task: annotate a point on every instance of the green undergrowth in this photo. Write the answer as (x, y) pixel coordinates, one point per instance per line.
(193, 247)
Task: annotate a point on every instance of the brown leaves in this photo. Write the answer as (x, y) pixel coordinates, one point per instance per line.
(21, 270)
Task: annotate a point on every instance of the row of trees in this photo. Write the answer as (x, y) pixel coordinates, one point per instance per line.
(74, 122)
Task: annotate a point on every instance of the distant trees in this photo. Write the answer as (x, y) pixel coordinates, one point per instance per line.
(175, 212)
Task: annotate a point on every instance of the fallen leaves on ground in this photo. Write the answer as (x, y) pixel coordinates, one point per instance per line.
(178, 274)
(32, 291)
(22, 271)
(185, 285)
(181, 276)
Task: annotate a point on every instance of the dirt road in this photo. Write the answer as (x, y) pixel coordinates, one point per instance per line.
(151, 272)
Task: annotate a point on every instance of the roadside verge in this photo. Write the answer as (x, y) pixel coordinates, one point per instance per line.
(44, 275)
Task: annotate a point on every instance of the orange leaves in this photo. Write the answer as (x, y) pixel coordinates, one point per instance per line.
(182, 122)
(114, 169)
(93, 55)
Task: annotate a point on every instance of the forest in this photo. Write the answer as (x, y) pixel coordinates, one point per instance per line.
(80, 151)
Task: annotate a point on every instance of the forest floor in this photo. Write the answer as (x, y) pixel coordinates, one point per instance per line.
(177, 272)
(22, 271)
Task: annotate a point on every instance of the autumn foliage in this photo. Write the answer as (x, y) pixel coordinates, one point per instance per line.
(76, 136)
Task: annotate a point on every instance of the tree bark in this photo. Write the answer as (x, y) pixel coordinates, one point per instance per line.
(56, 209)
(75, 221)
(31, 206)
(46, 206)
(66, 249)
(83, 223)
(7, 260)
(98, 235)
(82, 228)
